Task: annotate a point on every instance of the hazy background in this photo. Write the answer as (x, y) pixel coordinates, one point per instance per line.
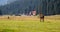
(4, 2)
(48, 7)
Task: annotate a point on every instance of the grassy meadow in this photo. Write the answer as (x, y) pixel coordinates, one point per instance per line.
(29, 24)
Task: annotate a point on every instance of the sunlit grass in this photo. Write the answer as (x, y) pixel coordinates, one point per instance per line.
(29, 25)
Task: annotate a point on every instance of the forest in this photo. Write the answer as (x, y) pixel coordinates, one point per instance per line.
(47, 7)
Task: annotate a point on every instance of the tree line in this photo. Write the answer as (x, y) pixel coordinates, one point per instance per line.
(47, 7)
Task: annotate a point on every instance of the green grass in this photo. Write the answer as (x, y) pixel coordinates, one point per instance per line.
(29, 26)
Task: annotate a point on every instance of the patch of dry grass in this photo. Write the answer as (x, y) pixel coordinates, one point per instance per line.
(55, 18)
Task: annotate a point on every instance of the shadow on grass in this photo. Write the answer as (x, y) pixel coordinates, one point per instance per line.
(6, 30)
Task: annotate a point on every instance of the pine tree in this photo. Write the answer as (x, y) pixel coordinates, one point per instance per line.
(0, 12)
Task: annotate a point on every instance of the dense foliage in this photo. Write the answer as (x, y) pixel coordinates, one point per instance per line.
(48, 7)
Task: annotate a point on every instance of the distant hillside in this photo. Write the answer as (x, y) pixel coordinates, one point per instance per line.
(25, 6)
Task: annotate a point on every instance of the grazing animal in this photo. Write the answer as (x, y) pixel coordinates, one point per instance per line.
(8, 17)
(41, 17)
